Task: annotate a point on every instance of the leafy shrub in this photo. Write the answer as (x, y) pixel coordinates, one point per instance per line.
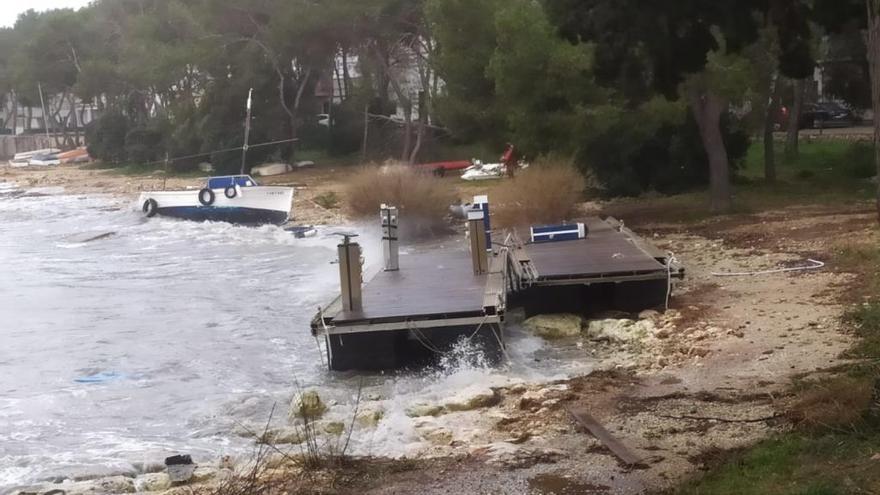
(105, 137)
(858, 161)
(546, 192)
(423, 200)
(144, 143)
(328, 200)
(670, 161)
(805, 174)
(346, 134)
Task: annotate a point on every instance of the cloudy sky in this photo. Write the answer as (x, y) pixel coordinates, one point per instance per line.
(9, 9)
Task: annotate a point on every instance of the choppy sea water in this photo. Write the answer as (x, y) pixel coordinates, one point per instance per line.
(166, 336)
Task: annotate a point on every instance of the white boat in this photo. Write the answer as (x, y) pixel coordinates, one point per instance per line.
(44, 161)
(272, 169)
(487, 171)
(232, 198)
(26, 158)
(483, 171)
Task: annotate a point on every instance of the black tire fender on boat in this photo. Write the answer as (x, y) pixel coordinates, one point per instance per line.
(206, 197)
(230, 192)
(150, 207)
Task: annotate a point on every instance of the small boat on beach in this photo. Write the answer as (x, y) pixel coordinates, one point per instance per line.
(235, 199)
(41, 157)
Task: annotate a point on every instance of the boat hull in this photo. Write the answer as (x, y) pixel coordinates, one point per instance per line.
(230, 214)
(256, 205)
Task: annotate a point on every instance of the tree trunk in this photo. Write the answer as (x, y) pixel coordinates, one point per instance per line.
(82, 123)
(402, 99)
(366, 133)
(873, 53)
(339, 86)
(420, 133)
(294, 115)
(346, 75)
(407, 133)
(794, 119)
(769, 126)
(707, 109)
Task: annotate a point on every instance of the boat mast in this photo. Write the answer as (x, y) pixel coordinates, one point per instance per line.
(247, 131)
(43, 109)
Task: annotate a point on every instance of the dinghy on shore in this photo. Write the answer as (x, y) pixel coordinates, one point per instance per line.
(235, 199)
(41, 157)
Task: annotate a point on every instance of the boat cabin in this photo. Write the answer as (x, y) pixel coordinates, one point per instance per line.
(224, 181)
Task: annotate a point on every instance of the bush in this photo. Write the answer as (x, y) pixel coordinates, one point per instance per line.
(423, 199)
(145, 143)
(328, 200)
(105, 137)
(670, 161)
(858, 161)
(546, 192)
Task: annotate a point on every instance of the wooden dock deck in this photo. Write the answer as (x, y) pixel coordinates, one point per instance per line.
(435, 298)
(432, 285)
(605, 253)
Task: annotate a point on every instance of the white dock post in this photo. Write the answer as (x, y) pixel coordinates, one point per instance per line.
(482, 203)
(477, 234)
(390, 244)
(350, 276)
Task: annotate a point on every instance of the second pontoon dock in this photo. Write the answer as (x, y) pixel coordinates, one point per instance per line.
(419, 306)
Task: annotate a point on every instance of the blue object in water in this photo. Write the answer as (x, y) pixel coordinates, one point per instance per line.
(100, 377)
(564, 232)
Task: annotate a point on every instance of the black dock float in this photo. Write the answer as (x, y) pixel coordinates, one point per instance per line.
(411, 314)
(610, 269)
(421, 306)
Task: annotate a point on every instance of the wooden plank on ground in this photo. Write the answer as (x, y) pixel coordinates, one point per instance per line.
(597, 430)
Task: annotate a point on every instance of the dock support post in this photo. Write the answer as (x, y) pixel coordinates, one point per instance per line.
(482, 203)
(477, 233)
(350, 276)
(390, 245)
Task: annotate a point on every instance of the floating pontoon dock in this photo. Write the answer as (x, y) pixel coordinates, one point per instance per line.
(422, 304)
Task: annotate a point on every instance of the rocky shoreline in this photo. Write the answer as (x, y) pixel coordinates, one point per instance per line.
(711, 374)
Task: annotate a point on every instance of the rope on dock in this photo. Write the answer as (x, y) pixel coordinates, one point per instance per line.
(501, 343)
(427, 344)
(814, 266)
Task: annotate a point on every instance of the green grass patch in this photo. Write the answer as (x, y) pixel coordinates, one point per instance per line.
(797, 464)
(824, 172)
(865, 321)
(838, 161)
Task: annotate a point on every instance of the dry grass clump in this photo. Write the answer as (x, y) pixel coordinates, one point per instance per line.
(839, 402)
(545, 193)
(423, 199)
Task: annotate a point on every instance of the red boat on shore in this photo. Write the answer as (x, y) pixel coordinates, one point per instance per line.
(440, 168)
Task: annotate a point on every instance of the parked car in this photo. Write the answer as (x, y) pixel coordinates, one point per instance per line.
(824, 115)
(324, 119)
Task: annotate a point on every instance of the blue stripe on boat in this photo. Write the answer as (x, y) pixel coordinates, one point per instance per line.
(231, 214)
